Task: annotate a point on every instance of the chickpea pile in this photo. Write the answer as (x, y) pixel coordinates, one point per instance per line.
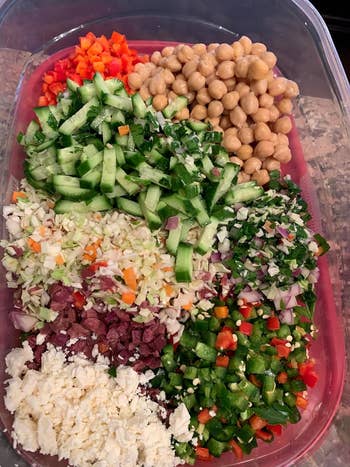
(233, 87)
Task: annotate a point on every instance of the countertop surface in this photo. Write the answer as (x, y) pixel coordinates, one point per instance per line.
(327, 151)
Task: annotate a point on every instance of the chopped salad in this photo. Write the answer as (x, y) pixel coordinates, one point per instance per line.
(163, 270)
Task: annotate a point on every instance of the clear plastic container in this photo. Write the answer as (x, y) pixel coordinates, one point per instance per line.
(32, 30)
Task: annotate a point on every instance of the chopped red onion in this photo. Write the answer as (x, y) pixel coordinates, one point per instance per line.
(172, 223)
(282, 231)
(286, 316)
(23, 321)
(251, 296)
(215, 257)
(216, 171)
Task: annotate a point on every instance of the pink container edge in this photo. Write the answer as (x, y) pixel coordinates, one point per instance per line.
(329, 349)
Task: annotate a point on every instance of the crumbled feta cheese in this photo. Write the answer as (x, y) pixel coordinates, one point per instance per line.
(16, 360)
(242, 213)
(179, 422)
(196, 381)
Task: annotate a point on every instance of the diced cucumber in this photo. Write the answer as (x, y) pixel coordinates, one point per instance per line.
(117, 192)
(69, 187)
(119, 102)
(64, 104)
(130, 207)
(153, 175)
(118, 117)
(87, 91)
(67, 159)
(54, 109)
(152, 197)
(109, 167)
(91, 179)
(154, 157)
(119, 155)
(106, 132)
(72, 85)
(76, 121)
(201, 215)
(98, 203)
(47, 121)
(29, 136)
(100, 85)
(243, 192)
(179, 204)
(104, 116)
(206, 239)
(114, 85)
(229, 172)
(183, 263)
(131, 143)
(64, 206)
(153, 220)
(128, 185)
(138, 105)
(122, 140)
(90, 162)
(222, 158)
(173, 240)
(178, 104)
(187, 224)
(197, 126)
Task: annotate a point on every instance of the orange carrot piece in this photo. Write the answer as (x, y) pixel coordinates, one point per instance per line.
(301, 402)
(42, 231)
(169, 289)
(33, 245)
(123, 130)
(222, 360)
(282, 377)
(129, 277)
(187, 307)
(257, 423)
(59, 259)
(167, 268)
(16, 195)
(128, 297)
(221, 312)
(204, 416)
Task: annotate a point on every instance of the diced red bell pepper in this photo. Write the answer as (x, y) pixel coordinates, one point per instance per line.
(225, 340)
(236, 448)
(283, 351)
(203, 454)
(246, 310)
(246, 328)
(204, 416)
(222, 360)
(275, 429)
(310, 378)
(273, 323)
(276, 341)
(264, 435)
(79, 300)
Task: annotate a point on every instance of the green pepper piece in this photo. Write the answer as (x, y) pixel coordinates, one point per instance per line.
(269, 389)
(246, 434)
(210, 339)
(215, 447)
(188, 340)
(214, 324)
(168, 362)
(189, 401)
(283, 331)
(175, 379)
(205, 352)
(190, 372)
(256, 364)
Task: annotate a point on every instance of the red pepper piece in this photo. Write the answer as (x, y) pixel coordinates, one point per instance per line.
(246, 310)
(79, 300)
(273, 323)
(246, 328)
(225, 340)
(275, 429)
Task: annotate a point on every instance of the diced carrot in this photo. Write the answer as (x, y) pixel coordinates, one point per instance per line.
(264, 435)
(301, 402)
(221, 312)
(204, 416)
(236, 448)
(222, 360)
(187, 307)
(59, 259)
(257, 422)
(130, 279)
(123, 130)
(42, 231)
(282, 377)
(203, 454)
(33, 245)
(167, 268)
(99, 66)
(169, 289)
(253, 379)
(42, 101)
(16, 195)
(85, 43)
(128, 297)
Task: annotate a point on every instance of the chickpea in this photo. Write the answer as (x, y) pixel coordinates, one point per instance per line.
(271, 164)
(252, 165)
(282, 153)
(212, 47)
(232, 131)
(249, 103)
(159, 101)
(238, 50)
(135, 81)
(206, 66)
(144, 92)
(244, 152)
(172, 96)
(231, 143)
(180, 87)
(283, 125)
(242, 89)
(274, 113)
(150, 66)
(261, 177)
(183, 114)
(142, 71)
(258, 69)
(226, 70)
(259, 86)
(277, 86)
(246, 135)
(190, 96)
(163, 62)
(292, 89)
(246, 43)
(266, 101)
(185, 54)
(236, 160)
(196, 81)
(217, 89)
(225, 122)
(269, 58)
(218, 129)
(243, 177)
(238, 117)
(270, 76)
(273, 138)
(173, 64)
(203, 96)
(262, 132)
(199, 49)
(261, 115)
(258, 48)
(264, 149)
(168, 76)
(224, 52)
(167, 51)
(215, 109)
(285, 106)
(230, 84)
(210, 78)
(199, 112)
(241, 69)
(157, 85)
(230, 100)
(282, 139)
(189, 68)
(180, 76)
(214, 121)
(156, 57)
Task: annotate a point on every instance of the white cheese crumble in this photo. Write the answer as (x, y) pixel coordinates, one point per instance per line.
(77, 411)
